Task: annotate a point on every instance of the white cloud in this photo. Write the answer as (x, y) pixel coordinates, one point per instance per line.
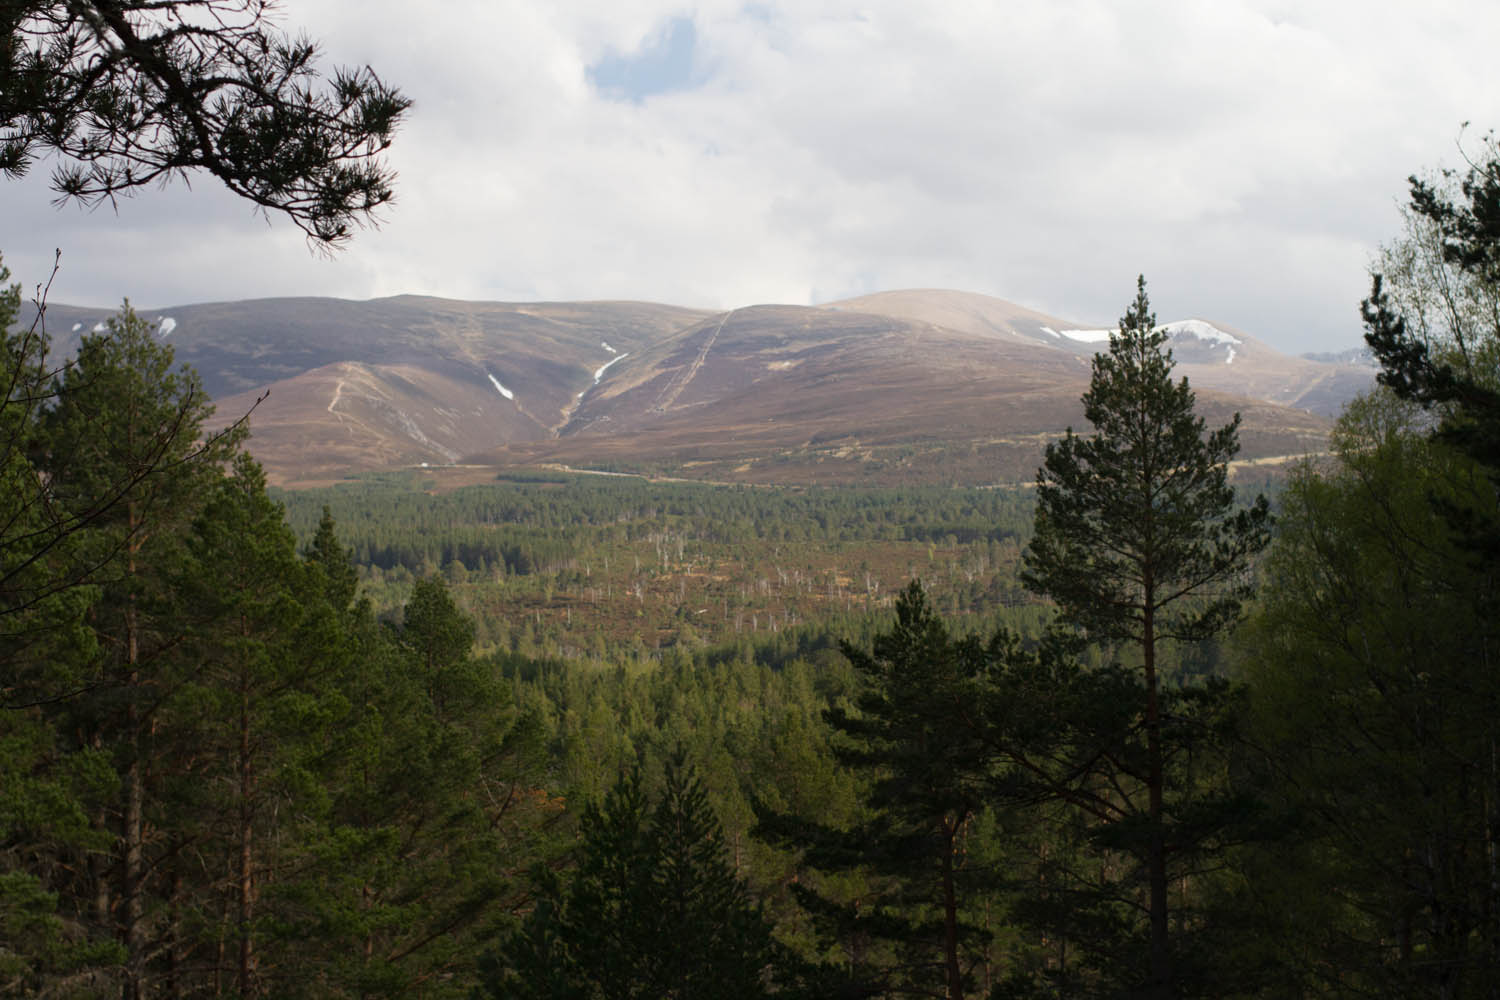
(1245, 156)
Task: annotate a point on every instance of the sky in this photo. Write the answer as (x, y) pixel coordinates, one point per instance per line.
(1247, 156)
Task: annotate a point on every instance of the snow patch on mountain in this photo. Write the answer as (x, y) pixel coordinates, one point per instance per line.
(1201, 330)
(1195, 328)
(605, 344)
(599, 372)
(503, 391)
(77, 327)
(165, 325)
(1089, 336)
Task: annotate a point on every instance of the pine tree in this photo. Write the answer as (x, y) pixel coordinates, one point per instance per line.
(131, 93)
(654, 909)
(128, 428)
(434, 811)
(911, 736)
(327, 553)
(47, 795)
(262, 654)
(1138, 542)
(35, 536)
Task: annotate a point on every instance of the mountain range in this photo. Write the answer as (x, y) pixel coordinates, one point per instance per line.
(895, 387)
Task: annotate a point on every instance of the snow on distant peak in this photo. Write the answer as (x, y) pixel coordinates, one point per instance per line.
(100, 326)
(1195, 328)
(77, 327)
(1201, 330)
(165, 326)
(503, 391)
(605, 344)
(1052, 332)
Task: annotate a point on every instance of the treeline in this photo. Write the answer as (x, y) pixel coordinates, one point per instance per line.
(526, 523)
(594, 565)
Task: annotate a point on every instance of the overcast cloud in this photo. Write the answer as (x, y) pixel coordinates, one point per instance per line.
(1248, 157)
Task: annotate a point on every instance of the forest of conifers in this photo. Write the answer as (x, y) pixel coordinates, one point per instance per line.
(1128, 732)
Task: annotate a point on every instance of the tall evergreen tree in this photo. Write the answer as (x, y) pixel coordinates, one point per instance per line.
(433, 780)
(47, 795)
(126, 426)
(1138, 542)
(910, 734)
(262, 656)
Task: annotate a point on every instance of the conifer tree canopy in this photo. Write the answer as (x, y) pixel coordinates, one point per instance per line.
(135, 93)
(1137, 541)
(1137, 520)
(653, 910)
(1433, 323)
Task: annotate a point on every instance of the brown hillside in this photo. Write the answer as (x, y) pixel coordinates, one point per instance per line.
(925, 386)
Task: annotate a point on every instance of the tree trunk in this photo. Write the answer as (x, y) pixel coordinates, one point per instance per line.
(950, 916)
(246, 871)
(172, 988)
(133, 932)
(1156, 851)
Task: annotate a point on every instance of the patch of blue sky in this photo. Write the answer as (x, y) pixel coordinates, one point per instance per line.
(663, 64)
